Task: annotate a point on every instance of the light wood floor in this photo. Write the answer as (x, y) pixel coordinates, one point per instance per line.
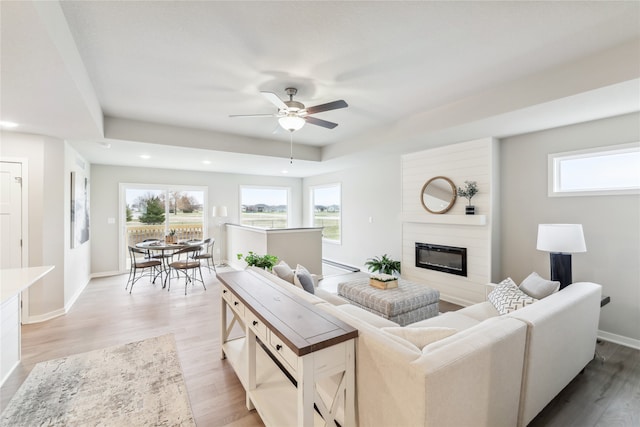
(104, 315)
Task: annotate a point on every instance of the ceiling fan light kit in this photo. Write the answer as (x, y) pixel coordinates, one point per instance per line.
(291, 122)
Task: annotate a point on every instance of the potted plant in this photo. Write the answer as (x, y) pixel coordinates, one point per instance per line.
(262, 261)
(384, 265)
(470, 190)
(171, 237)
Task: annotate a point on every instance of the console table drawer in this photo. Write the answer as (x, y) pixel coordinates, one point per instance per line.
(257, 325)
(285, 353)
(237, 306)
(226, 294)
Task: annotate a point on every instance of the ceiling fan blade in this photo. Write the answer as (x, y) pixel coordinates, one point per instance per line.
(252, 115)
(326, 107)
(320, 122)
(275, 100)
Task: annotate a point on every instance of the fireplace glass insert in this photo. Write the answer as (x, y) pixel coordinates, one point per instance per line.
(448, 259)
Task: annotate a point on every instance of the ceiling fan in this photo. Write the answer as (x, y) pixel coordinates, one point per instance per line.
(292, 115)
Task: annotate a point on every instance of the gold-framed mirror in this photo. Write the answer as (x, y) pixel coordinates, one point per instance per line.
(438, 195)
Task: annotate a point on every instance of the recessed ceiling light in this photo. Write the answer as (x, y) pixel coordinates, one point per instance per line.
(145, 156)
(104, 144)
(206, 162)
(285, 171)
(7, 125)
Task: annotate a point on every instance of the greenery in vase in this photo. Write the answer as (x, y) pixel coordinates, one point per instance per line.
(262, 261)
(383, 265)
(470, 190)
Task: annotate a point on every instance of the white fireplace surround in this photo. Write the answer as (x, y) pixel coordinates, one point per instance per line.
(468, 161)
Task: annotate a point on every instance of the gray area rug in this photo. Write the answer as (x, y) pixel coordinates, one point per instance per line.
(136, 384)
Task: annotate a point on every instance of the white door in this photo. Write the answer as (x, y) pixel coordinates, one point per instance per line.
(10, 215)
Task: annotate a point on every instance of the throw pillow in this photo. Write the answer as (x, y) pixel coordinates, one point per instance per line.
(420, 337)
(537, 287)
(506, 297)
(283, 271)
(303, 278)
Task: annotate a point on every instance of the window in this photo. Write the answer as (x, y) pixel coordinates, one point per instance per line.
(264, 207)
(601, 171)
(326, 209)
(153, 211)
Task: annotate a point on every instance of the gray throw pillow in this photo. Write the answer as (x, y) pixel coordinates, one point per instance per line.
(537, 287)
(303, 277)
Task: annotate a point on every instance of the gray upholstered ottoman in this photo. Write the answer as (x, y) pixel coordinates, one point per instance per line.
(408, 303)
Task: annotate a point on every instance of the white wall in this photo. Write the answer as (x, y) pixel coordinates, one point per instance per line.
(611, 223)
(369, 191)
(46, 162)
(77, 261)
(224, 190)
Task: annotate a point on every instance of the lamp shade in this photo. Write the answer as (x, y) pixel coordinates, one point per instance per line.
(561, 238)
(219, 211)
(291, 122)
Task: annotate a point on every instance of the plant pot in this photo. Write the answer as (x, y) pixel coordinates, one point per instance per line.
(470, 210)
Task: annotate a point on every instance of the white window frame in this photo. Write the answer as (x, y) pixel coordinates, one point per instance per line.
(312, 209)
(265, 187)
(554, 169)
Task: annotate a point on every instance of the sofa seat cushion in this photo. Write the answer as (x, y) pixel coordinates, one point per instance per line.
(420, 337)
(481, 311)
(450, 319)
(330, 297)
(366, 316)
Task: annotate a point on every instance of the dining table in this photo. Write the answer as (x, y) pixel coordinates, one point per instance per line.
(165, 250)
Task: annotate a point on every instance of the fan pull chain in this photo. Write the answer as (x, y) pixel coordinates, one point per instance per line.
(291, 152)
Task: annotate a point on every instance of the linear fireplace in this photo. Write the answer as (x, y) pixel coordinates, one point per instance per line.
(448, 259)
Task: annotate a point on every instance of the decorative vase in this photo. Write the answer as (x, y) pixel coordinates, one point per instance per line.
(470, 210)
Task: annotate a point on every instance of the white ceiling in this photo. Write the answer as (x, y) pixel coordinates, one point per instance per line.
(162, 77)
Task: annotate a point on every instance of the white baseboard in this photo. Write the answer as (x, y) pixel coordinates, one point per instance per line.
(619, 339)
(44, 317)
(108, 274)
(75, 297)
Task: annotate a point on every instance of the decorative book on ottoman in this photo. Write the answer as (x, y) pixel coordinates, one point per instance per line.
(383, 281)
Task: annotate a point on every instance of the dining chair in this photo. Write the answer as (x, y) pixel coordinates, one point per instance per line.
(186, 265)
(153, 267)
(206, 252)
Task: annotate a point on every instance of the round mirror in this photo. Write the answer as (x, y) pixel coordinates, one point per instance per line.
(438, 195)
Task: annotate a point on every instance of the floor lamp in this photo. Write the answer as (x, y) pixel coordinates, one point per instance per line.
(561, 240)
(219, 213)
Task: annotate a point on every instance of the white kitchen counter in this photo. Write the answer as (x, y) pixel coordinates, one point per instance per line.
(12, 282)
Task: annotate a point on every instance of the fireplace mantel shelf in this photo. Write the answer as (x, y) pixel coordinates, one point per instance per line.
(446, 219)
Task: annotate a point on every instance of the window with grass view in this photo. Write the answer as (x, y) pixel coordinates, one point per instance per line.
(326, 208)
(154, 211)
(264, 207)
(607, 170)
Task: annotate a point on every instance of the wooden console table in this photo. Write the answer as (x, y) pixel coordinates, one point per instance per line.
(310, 344)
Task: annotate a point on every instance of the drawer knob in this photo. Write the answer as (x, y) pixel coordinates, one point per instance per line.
(255, 322)
(278, 347)
(224, 291)
(235, 303)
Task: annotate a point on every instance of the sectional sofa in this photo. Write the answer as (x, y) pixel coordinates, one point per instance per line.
(471, 367)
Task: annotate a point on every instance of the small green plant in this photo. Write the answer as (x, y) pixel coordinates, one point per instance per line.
(470, 190)
(383, 265)
(261, 261)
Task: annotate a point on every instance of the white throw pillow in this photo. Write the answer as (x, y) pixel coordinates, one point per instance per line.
(506, 297)
(420, 337)
(283, 271)
(537, 287)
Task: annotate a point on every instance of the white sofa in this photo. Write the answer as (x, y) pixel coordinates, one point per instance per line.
(494, 371)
